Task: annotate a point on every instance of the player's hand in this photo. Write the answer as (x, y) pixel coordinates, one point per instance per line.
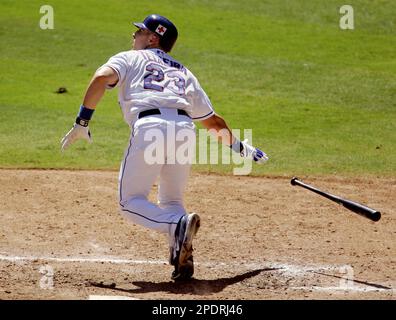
(75, 133)
(256, 154)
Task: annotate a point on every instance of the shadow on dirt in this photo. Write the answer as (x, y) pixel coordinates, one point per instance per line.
(193, 286)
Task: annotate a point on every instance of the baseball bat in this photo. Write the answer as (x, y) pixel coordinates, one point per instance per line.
(358, 208)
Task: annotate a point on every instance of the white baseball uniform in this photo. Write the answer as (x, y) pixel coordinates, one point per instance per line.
(151, 79)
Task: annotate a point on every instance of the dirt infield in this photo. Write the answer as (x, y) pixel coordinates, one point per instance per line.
(62, 237)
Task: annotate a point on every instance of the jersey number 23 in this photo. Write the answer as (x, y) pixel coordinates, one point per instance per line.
(154, 80)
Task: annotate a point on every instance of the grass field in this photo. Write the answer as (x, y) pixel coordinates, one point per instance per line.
(320, 100)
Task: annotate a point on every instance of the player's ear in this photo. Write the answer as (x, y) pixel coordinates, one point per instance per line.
(154, 39)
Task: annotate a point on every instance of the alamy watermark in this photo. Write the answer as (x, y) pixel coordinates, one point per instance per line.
(47, 279)
(47, 20)
(347, 281)
(172, 145)
(347, 20)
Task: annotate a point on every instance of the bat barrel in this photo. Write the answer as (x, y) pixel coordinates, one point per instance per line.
(293, 181)
(358, 208)
(364, 211)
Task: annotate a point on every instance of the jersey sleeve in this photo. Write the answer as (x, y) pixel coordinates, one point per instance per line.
(119, 63)
(201, 105)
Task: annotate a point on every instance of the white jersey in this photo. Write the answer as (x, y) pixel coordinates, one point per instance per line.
(150, 79)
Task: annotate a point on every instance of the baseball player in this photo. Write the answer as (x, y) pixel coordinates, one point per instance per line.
(159, 98)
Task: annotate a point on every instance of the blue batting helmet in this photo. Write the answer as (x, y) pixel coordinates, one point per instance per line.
(161, 26)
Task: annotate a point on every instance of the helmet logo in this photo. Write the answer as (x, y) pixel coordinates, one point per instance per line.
(160, 30)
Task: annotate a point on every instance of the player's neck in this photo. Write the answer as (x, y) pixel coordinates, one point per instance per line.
(154, 47)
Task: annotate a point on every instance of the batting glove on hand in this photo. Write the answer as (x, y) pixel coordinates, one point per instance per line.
(248, 151)
(75, 133)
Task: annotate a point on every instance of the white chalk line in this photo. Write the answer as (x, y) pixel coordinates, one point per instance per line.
(104, 297)
(344, 289)
(78, 259)
(290, 269)
(287, 268)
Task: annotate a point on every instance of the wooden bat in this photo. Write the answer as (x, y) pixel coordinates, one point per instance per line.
(358, 208)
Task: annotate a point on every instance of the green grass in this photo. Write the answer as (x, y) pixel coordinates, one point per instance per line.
(320, 100)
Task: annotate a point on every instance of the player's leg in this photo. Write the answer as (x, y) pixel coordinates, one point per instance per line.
(174, 174)
(172, 185)
(136, 178)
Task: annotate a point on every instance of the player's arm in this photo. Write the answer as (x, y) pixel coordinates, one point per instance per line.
(218, 126)
(103, 78)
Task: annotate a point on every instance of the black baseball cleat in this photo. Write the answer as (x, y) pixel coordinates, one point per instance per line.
(184, 272)
(181, 256)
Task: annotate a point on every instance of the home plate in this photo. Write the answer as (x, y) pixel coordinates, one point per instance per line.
(100, 297)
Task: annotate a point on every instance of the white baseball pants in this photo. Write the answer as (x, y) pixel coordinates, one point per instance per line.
(160, 146)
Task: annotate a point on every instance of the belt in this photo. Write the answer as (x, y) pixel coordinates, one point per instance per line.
(151, 112)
